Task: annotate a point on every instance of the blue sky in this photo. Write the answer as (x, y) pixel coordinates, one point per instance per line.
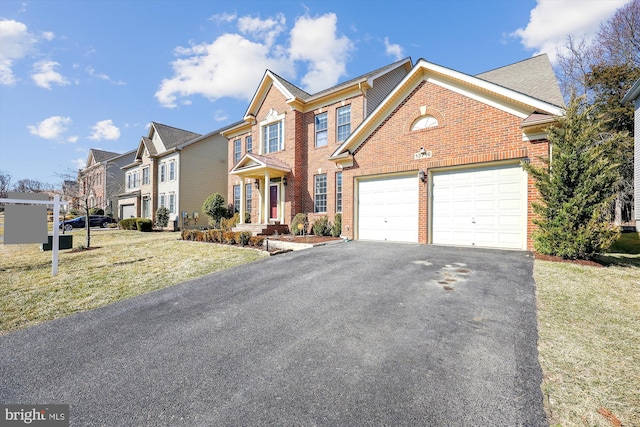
(78, 74)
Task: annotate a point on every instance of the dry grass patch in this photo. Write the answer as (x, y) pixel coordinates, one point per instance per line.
(126, 264)
(589, 338)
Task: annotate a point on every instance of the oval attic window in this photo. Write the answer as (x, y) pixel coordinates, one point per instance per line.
(425, 122)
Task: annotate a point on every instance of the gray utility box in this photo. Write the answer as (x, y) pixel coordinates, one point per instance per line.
(66, 242)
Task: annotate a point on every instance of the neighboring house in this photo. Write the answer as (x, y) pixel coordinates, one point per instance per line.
(417, 153)
(176, 169)
(634, 95)
(99, 183)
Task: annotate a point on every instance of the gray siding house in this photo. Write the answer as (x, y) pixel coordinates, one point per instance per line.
(634, 95)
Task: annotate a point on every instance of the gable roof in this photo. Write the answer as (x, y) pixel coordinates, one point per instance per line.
(99, 156)
(633, 93)
(171, 136)
(533, 77)
(492, 94)
(254, 163)
(295, 95)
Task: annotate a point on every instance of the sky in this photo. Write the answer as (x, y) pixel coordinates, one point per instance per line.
(76, 75)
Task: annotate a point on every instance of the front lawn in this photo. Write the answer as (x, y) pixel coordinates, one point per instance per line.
(126, 264)
(589, 338)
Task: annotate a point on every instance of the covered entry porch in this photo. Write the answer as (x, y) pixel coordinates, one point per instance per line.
(269, 179)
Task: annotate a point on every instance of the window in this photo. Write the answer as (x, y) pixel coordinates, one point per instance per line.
(321, 130)
(236, 198)
(145, 176)
(272, 138)
(320, 199)
(172, 203)
(249, 144)
(172, 170)
(344, 122)
(163, 172)
(237, 151)
(247, 193)
(136, 184)
(162, 201)
(338, 191)
(146, 212)
(425, 122)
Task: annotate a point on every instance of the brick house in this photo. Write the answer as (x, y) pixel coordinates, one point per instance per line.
(100, 181)
(176, 169)
(279, 154)
(432, 155)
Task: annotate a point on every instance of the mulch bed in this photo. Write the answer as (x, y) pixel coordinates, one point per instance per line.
(571, 261)
(303, 239)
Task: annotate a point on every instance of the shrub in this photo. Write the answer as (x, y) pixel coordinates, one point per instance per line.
(215, 235)
(244, 236)
(336, 230)
(247, 218)
(74, 212)
(96, 211)
(300, 218)
(230, 237)
(215, 208)
(144, 224)
(162, 216)
(256, 241)
(321, 226)
(226, 224)
(128, 224)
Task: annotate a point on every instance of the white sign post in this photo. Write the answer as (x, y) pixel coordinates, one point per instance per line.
(56, 212)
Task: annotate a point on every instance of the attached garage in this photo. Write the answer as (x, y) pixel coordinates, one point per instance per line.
(128, 211)
(484, 207)
(388, 208)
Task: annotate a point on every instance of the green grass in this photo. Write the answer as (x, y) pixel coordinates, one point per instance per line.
(589, 336)
(126, 264)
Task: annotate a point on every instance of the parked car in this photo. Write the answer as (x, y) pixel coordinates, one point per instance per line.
(94, 221)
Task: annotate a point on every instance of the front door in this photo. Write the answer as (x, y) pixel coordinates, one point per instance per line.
(273, 202)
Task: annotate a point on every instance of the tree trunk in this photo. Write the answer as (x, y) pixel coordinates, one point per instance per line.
(617, 218)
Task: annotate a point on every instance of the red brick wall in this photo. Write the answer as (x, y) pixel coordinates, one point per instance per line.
(469, 132)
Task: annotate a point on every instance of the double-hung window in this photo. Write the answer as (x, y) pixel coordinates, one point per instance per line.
(163, 172)
(172, 170)
(247, 193)
(249, 144)
(145, 175)
(236, 198)
(172, 203)
(162, 200)
(321, 130)
(338, 191)
(320, 193)
(272, 138)
(237, 150)
(344, 122)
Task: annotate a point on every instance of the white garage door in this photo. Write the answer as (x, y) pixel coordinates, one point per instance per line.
(480, 207)
(388, 209)
(128, 211)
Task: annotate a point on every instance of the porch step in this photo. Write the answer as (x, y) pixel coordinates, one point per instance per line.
(262, 229)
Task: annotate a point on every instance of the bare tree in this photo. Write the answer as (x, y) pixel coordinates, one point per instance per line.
(5, 183)
(32, 186)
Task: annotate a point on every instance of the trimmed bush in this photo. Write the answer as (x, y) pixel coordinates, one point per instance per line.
(300, 218)
(230, 237)
(321, 227)
(226, 224)
(244, 236)
(96, 211)
(162, 216)
(336, 230)
(256, 241)
(128, 224)
(144, 224)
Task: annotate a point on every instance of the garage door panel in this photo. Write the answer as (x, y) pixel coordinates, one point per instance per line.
(489, 207)
(388, 208)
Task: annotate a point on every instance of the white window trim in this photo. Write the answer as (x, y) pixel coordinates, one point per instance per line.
(272, 117)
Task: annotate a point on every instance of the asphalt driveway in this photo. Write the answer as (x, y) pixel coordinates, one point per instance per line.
(359, 333)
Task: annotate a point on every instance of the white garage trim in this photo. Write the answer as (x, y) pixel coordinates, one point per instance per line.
(387, 207)
(482, 206)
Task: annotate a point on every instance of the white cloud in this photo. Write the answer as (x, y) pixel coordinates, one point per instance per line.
(223, 17)
(48, 35)
(219, 69)
(50, 128)
(393, 49)
(551, 21)
(266, 30)
(44, 74)
(220, 116)
(105, 129)
(16, 42)
(72, 139)
(102, 76)
(315, 40)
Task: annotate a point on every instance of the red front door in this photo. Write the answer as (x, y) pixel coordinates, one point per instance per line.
(273, 201)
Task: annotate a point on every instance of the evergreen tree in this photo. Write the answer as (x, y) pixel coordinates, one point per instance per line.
(215, 208)
(577, 185)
